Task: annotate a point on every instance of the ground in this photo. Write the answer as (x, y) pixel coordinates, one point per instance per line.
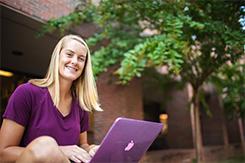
(214, 154)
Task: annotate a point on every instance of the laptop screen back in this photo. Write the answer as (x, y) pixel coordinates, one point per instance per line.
(126, 141)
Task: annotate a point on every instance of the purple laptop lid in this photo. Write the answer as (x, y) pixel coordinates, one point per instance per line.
(126, 141)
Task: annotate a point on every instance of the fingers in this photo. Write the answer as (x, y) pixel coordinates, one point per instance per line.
(75, 159)
(81, 154)
(79, 158)
(75, 153)
(93, 150)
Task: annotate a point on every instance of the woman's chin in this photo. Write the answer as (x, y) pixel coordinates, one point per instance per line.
(70, 77)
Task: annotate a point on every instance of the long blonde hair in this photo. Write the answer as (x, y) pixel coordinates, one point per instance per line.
(84, 87)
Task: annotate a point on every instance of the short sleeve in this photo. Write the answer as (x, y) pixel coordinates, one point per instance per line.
(84, 123)
(19, 105)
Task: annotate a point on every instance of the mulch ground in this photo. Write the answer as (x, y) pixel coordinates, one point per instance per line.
(213, 154)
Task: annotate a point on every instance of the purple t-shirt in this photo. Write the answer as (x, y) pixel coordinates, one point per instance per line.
(32, 107)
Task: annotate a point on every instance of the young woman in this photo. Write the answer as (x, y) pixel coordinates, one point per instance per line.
(46, 120)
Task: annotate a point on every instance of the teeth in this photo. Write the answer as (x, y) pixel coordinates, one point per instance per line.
(71, 68)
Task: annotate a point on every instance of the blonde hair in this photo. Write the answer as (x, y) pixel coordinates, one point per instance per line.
(84, 87)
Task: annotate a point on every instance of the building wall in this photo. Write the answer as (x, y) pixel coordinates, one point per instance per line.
(175, 103)
(43, 9)
(233, 131)
(179, 121)
(212, 124)
(117, 101)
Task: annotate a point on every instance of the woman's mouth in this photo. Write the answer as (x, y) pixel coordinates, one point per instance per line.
(72, 69)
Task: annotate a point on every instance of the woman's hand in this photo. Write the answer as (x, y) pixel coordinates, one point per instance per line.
(75, 153)
(93, 149)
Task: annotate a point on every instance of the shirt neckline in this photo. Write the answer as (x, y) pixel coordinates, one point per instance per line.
(57, 110)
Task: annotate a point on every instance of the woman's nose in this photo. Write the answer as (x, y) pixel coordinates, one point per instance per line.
(74, 60)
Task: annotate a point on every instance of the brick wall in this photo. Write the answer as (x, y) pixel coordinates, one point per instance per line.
(212, 125)
(43, 9)
(117, 101)
(174, 103)
(179, 121)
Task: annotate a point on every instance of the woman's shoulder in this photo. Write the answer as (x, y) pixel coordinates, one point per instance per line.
(29, 88)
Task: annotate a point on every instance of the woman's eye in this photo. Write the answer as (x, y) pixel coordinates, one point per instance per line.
(69, 54)
(81, 59)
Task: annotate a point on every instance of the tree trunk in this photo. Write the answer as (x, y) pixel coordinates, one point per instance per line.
(225, 135)
(198, 134)
(192, 116)
(193, 125)
(241, 134)
(224, 127)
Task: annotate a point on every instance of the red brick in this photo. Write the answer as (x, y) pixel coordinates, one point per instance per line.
(117, 101)
(45, 9)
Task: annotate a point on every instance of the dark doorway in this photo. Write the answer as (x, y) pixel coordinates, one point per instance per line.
(152, 112)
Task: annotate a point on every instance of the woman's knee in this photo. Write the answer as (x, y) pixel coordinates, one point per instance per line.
(43, 141)
(43, 145)
(44, 149)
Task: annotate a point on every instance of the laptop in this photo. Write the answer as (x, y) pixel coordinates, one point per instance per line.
(126, 141)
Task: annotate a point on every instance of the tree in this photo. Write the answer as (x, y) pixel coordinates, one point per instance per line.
(193, 38)
(230, 81)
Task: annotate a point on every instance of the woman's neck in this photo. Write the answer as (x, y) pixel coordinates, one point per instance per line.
(65, 89)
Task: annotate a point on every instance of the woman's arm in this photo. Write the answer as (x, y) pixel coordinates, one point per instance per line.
(10, 137)
(91, 149)
(84, 141)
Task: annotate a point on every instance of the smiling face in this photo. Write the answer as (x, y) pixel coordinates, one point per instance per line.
(72, 60)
